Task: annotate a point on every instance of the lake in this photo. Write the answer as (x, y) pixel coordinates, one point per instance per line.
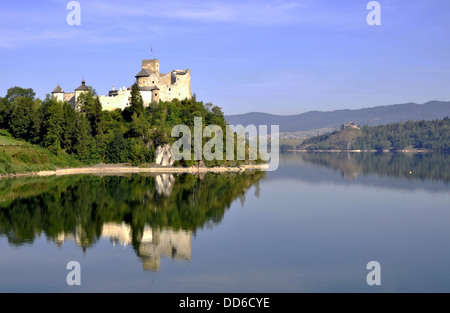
(311, 226)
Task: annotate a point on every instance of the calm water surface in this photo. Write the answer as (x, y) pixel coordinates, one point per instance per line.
(312, 225)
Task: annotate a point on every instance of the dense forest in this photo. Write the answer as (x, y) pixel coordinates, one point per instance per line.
(429, 135)
(91, 135)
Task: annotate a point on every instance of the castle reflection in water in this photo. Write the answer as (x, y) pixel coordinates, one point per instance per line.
(156, 216)
(153, 243)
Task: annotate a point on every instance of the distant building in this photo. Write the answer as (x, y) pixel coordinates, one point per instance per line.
(59, 94)
(349, 125)
(154, 86)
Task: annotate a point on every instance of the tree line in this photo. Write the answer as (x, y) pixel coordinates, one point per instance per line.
(94, 135)
(430, 135)
(420, 166)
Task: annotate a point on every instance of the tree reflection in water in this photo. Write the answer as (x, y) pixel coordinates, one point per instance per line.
(156, 215)
(414, 166)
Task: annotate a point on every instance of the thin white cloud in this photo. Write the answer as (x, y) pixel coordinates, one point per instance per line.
(123, 21)
(257, 12)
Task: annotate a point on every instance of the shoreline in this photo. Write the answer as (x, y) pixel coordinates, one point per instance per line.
(362, 151)
(133, 169)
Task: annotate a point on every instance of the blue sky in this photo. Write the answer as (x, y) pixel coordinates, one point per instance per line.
(282, 57)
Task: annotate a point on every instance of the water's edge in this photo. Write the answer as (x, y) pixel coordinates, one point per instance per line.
(129, 169)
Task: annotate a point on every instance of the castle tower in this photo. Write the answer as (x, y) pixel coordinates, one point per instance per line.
(58, 93)
(151, 65)
(149, 76)
(81, 89)
(155, 94)
(142, 78)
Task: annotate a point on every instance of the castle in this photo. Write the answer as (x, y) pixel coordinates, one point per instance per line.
(349, 125)
(153, 84)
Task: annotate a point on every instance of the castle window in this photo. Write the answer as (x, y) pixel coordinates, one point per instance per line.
(169, 89)
(153, 82)
(156, 94)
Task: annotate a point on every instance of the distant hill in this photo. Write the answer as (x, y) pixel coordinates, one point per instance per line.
(380, 115)
(424, 135)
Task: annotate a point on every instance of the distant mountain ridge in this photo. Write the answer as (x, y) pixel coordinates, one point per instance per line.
(374, 116)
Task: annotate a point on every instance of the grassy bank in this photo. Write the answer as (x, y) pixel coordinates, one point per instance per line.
(8, 141)
(31, 158)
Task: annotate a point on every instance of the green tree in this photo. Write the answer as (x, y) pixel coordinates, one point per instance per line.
(91, 106)
(15, 92)
(96, 119)
(6, 103)
(117, 149)
(136, 102)
(3, 112)
(69, 135)
(36, 122)
(97, 149)
(52, 125)
(21, 117)
(139, 127)
(82, 135)
(139, 152)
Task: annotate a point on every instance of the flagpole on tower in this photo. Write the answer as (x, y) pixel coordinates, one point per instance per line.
(151, 50)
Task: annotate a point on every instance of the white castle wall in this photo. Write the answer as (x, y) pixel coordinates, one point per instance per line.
(117, 102)
(176, 84)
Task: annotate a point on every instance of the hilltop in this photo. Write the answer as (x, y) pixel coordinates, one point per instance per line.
(48, 134)
(424, 135)
(338, 140)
